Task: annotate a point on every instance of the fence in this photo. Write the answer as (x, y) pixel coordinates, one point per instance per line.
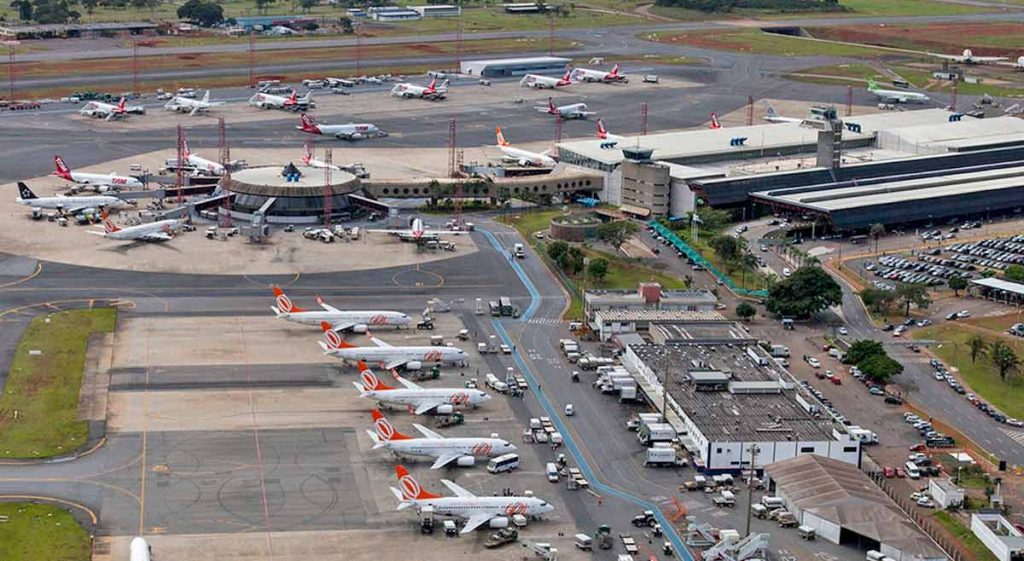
(693, 254)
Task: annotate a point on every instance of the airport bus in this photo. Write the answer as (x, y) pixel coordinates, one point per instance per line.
(501, 464)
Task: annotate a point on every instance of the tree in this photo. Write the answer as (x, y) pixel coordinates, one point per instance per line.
(808, 290)
(24, 8)
(977, 345)
(987, 273)
(90, 6)
(876, 231)
(746, 262)
(598, 268)
(53, 11)
(572, 260)
(912, 293)
(306, 5)
(880, 367)
(617, 232)
(262, 5)
(202, 12)
(557, 249)
(727, 247)
(862, 350)
(745, 311)
(877, 300)
(1004, 359)
(956, 284)
(1014, 273)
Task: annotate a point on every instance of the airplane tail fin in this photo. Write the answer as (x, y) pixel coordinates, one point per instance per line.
(294, 98)
(567, 77)
(872, 84)
(284, 303)
(62, 168)
(410, 488)
(307, 156)
(714, 122)
(184, 146)
(615, 70)
(769, 110)
(309, 124)
(332, 341)
(206, 97)
(602, 132)
(25, 193)
(121, 108)
(444, 85)
(501, 137)
(402, 503)
(551, 107)
(432, 86)
(108, 226)
(385, 431)
(370, 380)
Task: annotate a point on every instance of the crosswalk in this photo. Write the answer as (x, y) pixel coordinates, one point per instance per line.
(544, 321)
(1016, 435)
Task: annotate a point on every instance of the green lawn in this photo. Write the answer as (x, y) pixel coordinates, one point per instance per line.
(495, 19)
(35, 532)
(755, 41)
(981, 376)
(996, 323)
(964, 535)
(41, 395)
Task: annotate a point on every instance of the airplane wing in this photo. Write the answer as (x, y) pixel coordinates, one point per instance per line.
(475, 521)
(156, 237)
(396, 363)
(427, 432)
(341, 326)
(392, 232)
(426, 406)
(326, 306)
(380, 343)
(195, 110)
(445, 459)
(409, 384)
(988, 58)
(956, 58)
(459, 491)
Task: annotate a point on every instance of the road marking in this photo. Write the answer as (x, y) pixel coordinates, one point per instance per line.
(1015, 435)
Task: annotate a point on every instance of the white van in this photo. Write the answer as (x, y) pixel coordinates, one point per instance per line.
(874, 555)
(501, 464)
(552, 472)
(912, 471)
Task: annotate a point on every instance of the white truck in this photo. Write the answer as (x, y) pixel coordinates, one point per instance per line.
(518, 251)
(779, 351)
(865, 436)
(664, 455)
(650, 434)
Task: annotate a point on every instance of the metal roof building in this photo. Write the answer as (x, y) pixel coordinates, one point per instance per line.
(42, 31)
(844, 505)
(494, 68)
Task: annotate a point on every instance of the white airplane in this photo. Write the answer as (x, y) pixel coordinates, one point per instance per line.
(420, 401)
(159, 231)
(524, 157)
(571, 111)
(410, 358)
(969, 58)
(587, 75)
(539, 82)
(106, 111)
(191, 106)
(292, 102)
(462, 451)
(1020, 63)
(100, 182)
(348, 131)
(772, 117)
(418, 232)
(431, 91)
(339, 320)
(202, 164)
(139, 550)
(71, 205)
(494, 511)
(897, 96)
(311, 161)
(714, 124)
(603, 134)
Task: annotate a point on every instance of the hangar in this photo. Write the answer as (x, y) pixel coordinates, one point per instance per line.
(496, 68)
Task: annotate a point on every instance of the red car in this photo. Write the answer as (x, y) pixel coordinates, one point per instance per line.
(888, 472)
(919, 447)
(836, 380)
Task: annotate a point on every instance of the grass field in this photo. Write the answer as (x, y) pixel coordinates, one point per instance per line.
(495, 19)
(755, 41)
(35, 532)
(38, 408)
(964, 535)
(981, 376)
(998, 324)
(983, 38)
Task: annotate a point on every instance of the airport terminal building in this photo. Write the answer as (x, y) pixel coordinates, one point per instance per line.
(503, 67)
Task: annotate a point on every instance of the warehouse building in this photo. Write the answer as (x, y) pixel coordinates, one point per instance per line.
(999, 535)
(844, 506)
(502, 67)
(67, 30)
(648, 296)
(999, 290)
(437, 11)
(733, 407)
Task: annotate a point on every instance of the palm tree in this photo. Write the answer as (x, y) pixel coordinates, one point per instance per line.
(747, 261)
(977, 345)
(1004, 359)
(875, 231)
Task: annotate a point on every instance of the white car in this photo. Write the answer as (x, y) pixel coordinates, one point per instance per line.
(815, 363)
(925, 502)
(963, 314)
(844, 331)
(1015, 422)
(786, 272)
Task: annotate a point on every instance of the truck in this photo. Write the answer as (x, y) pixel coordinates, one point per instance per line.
(756, 357)
(517, 250)
(655, 432)
(664, 455)
(865, 436)
(505, 304)
(628, 393)
(779, 351)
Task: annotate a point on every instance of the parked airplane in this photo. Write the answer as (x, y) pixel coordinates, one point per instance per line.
(772, 117)
(539, 82)
(897, 96)
(571, 111)
(418, 232)
(291, 103)
(100, 182)
(71, 205)
(420, 401)
(200, 163)
(348, 131)
(462, 451)
(159, 231)
(603, 134)
(587, 75)
(431, 91)
(410, 358)
(524, 157)
(495, 511)
(969, 58)
(338, 320)
(714, 124)
(139, 550)
(191, 106)
(311, 161)
(106, 111)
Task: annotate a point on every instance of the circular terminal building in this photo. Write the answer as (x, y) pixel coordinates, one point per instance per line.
(574, 227)
(291, 193)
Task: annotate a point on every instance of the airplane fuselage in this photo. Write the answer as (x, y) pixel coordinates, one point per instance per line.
(532, 158)
(408, 354)
(434, 447)
(74, 202)
(370, 318)
(455, 397)
(203, 164)
(99, 179)
(142, 231)
(494, 506)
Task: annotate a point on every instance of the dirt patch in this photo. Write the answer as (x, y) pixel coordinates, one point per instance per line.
(951, 38)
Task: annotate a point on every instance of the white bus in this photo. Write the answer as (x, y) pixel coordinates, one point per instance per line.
(501, 464)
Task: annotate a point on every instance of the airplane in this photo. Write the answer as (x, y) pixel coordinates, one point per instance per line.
(184, 104)
(312, 162)
(338, 320)
(495, 511)
(72, 205)
(524, 157)
(410, 358)
(587, 75)
(159, 231)
(772, 117)
(417, 232)
(897, 96)
(419, 400)
(714, 124)
(539, 82)
(571, 111)
(969, 58)
(460, 451)
(200, 163)
(139, 550)
(292, 102)
(106, 111)
(610, 140)
(348, 131)
(101, 182)
(431, 91)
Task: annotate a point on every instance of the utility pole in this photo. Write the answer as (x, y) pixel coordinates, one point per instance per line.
(750, 486)
(551, 35)
(10, 65)
(252, 59)
(643, 119)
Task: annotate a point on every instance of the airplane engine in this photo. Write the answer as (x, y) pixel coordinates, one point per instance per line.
(361, 328)
(413, 365)
(445, 409)
(102, 188)
(355, 136)
(465, 461)
(499, 522)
